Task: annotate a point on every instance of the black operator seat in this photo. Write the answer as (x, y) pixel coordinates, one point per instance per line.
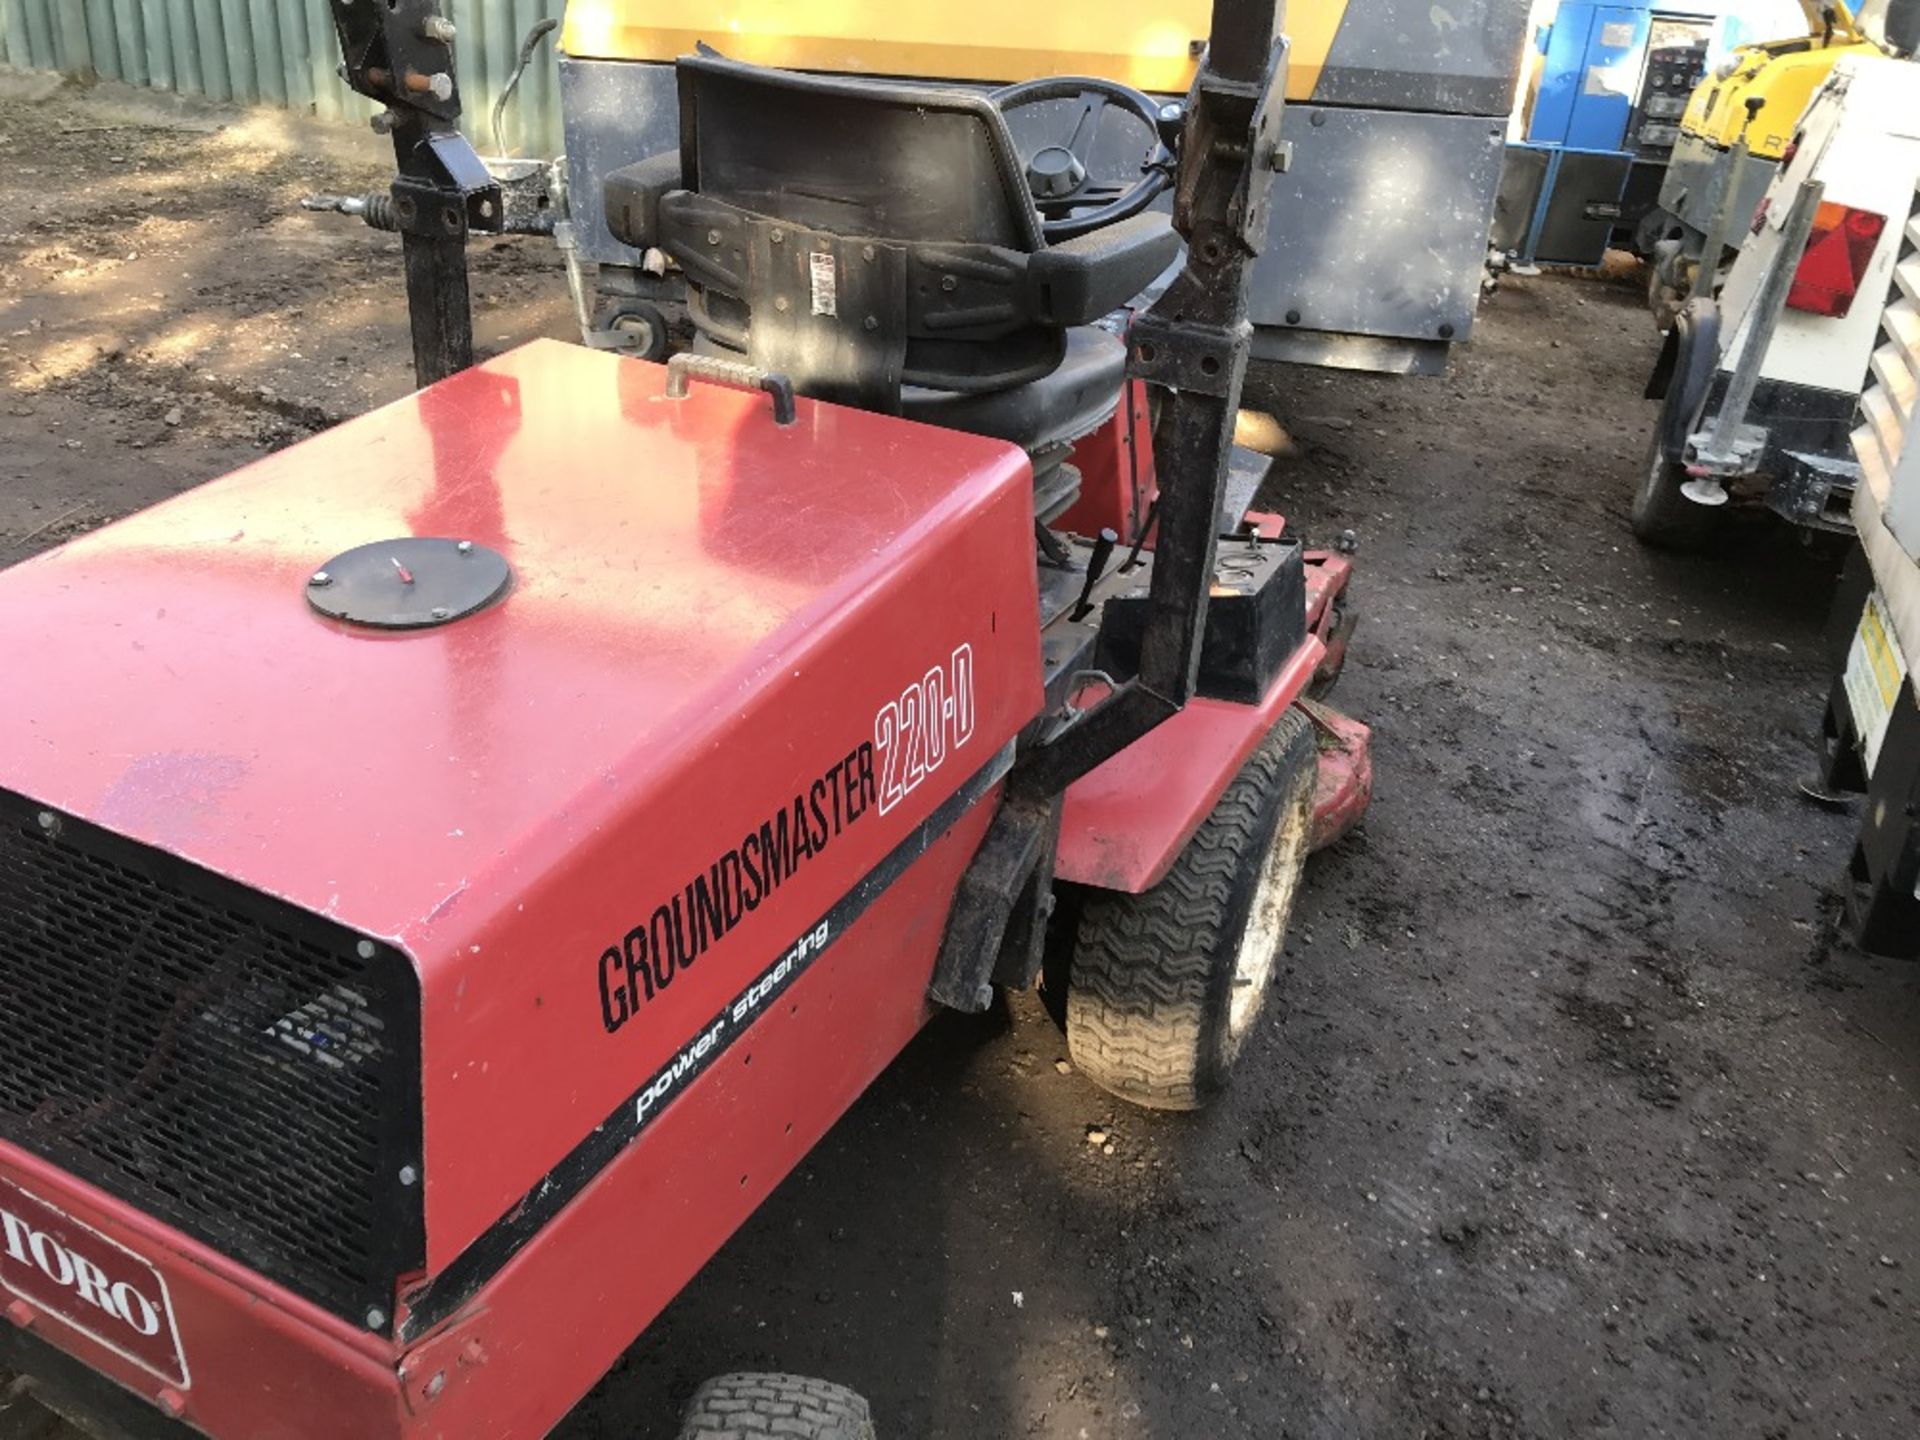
(876, 243)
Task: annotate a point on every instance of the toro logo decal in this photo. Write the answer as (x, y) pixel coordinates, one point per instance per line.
(94, 1284)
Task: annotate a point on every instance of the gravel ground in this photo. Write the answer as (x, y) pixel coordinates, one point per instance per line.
(1574, 1117)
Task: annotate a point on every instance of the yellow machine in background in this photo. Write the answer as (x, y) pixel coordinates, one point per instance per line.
(1148, 44)
(1396, 120)
(1781, 74)
(1733, 135)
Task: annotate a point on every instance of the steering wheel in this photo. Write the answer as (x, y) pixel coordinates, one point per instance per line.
(1059, 176)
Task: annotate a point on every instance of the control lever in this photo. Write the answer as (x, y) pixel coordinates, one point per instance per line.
(1096, 566)
(1173, 115)
(1140, 535)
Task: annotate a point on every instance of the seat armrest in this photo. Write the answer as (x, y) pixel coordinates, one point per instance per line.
(1079, 280)
(632, 194)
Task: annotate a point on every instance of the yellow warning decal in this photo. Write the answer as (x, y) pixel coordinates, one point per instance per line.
(1874, 675)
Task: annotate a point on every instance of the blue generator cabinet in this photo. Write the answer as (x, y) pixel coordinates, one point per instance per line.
(1613, 81)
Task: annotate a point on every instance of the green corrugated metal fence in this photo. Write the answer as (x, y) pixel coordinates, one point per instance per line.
(280, 52)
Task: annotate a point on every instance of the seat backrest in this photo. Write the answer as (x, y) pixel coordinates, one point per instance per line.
(856, 236)
(856, 157)
(859, 237)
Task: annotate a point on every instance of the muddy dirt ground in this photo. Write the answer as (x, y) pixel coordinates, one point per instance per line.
(1573, 1117)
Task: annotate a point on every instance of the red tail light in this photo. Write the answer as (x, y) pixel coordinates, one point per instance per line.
(1838, 253)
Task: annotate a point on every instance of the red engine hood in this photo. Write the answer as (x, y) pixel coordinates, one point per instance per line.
(709, 612)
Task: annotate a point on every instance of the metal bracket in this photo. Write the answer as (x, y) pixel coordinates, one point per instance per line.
(1184, 356)
(400, 53)
(458, 192)
(531, 201)
(1195, 339)
(1736, 454)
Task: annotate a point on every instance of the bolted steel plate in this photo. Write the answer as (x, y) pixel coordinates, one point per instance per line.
(409, 583)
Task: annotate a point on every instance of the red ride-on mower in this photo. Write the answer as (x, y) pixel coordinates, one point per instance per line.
(453, 869)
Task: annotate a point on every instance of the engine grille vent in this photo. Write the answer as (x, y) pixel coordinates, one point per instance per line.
(237, 1068)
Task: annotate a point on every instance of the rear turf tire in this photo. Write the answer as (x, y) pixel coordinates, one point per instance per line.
(1662, 516)
(748, 1406)
(1166, 986)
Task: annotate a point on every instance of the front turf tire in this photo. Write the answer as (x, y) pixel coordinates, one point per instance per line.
(1166, 986)
(748, 1406)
